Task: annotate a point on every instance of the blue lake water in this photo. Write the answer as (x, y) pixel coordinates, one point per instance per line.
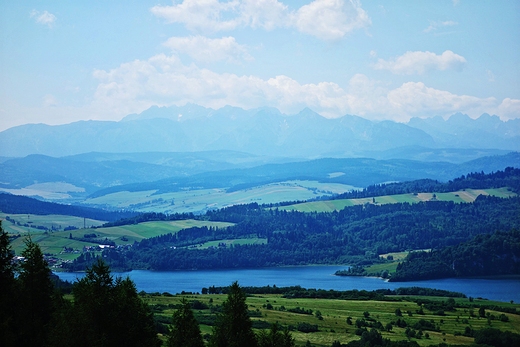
(319, 277)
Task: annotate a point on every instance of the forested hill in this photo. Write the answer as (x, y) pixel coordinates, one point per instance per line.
(485, 255)
(354, 235)
(510, 177)
(16, 204)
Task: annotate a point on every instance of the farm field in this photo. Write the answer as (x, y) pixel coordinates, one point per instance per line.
(467, 195)
(54, 242)
(269, 309)
(230, 242)
(197, 200)
(52, 222)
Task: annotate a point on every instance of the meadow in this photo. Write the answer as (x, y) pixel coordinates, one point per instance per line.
(53, 242)
(466, 195)
(196, 200)
(332, 326)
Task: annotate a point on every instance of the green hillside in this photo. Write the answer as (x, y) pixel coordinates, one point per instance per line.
(466, 195)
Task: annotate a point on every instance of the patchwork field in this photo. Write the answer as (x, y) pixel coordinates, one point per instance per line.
(467, 195)
(53, 242)
(268, 309)
(198, 200)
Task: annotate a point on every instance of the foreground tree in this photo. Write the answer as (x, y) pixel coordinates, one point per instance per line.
(36, 296)
(275, 338)
(7, 292)
(233, 327)
(185, 330)
(106, 312)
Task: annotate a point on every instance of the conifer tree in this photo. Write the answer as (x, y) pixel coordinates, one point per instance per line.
(36, 295)
(185, 331)
(109, 312)
(275, 337)
(7, 292)
(233, 327)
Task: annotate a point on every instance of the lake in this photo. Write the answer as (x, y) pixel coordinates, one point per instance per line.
(319, 277)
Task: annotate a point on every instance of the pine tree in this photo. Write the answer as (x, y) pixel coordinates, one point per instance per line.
(275, 338)
(36, 291)
(233, 327)
(185, 330)
(7, 292)
(108, 312)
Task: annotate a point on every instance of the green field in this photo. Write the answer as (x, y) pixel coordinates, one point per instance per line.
(467, 195)
(230, 242)
(54, 242)
(52, 221)
(195, 200)
(335, 313)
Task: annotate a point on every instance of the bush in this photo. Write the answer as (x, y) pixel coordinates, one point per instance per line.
(307, 328)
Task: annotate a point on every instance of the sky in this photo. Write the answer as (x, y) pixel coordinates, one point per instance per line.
(64, 61)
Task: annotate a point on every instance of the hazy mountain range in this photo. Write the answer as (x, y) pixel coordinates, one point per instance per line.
(166, 150)
(263, 131)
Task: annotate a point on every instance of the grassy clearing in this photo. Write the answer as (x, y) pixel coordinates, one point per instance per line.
(52, 221)
(467, 195)
(335, 313)
(54, 242)
(195, 200)
(230, 242)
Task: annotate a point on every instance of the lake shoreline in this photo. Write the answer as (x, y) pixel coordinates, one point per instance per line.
(309, 277)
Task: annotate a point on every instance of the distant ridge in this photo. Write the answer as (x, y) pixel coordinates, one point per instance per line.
(262, 131)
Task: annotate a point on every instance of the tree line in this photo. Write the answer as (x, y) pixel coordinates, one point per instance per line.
(510, 177)
(485, 255)
(17, 204)
(105, 311)
(355, 235)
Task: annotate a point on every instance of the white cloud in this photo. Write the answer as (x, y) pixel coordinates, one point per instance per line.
(509, 108)
(435, 25)
(330, 19)
(205, 49)
(206, 15)
(325, 19)
(164, 80)
(419, 62)
(266, 14)
(44, 18)
(413, 98)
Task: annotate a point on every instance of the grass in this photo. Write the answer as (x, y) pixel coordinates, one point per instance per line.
(229, 242)
(52, 221)
(467, 195)
(195, 200)
(335, 313)
(54, 242)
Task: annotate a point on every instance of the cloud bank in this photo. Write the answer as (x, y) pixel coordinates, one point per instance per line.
(324, 19)
(165, 80)
(421, 62)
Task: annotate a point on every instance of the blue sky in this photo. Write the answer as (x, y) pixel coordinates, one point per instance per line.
(63, 61)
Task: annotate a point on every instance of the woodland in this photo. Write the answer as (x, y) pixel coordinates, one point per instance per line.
(356, 235)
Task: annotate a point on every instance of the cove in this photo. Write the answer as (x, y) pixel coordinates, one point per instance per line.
(319, 277)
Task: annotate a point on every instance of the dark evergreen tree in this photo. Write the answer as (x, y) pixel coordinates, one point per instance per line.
(233, 327)
(185, 331)
(275, 337)
(108, 312)
(36, 295)
(8, 291)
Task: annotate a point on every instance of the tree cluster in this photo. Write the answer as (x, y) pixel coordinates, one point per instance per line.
(104, 311)
(354, 235)
(486, 254)
(17, 204)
